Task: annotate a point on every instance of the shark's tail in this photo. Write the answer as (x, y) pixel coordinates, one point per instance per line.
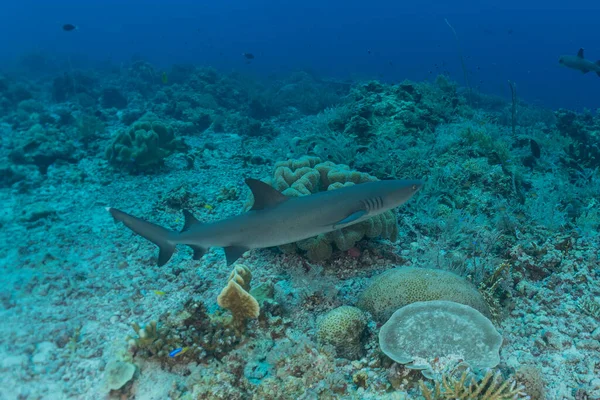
(154, 233)
(598, 64)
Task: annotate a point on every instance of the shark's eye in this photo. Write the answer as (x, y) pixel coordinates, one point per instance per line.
(414, 187)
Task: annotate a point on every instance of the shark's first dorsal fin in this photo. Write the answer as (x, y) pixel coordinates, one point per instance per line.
(264, 195)
(190, 220)
(580, 53)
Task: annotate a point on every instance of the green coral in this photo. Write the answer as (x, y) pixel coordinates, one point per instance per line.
(343, 328)
(144, 146)
(308, 175)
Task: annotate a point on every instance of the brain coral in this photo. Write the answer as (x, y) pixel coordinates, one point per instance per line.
(402, 286)
(343, 328)
(309, 175)
(427, 330)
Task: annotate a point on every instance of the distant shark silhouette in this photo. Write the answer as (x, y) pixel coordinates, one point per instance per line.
(579, 63)
(275, 219)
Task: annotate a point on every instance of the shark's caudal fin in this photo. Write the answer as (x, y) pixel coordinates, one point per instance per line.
(154, 233)
(598, 64)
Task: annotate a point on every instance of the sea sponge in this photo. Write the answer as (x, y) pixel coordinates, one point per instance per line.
(428, 330)
(235, 298)
(398, 287)
(308, 175)
(118, 373)
(144, 146)
(343, 328)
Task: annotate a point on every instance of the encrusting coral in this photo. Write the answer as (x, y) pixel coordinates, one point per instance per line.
(308, 175)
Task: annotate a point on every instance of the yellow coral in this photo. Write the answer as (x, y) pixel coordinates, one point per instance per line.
(242, 276)
(236, 298)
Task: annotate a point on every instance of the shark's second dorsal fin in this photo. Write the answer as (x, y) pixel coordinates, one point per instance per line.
(580, 53)
(190, 220)
(264, 195)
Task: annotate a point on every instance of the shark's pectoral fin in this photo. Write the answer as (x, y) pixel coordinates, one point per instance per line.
(165, 253)
(350, 218)
(264, 195)
(585, 71)
(232, 253)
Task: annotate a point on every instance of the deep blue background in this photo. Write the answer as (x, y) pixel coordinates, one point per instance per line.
(406, 39)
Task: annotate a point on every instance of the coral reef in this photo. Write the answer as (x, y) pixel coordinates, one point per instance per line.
(510, 206)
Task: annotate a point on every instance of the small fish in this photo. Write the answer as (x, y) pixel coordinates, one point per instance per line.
(164, 78)
(159, 292)
(208, 207)
(178, 351)
(579, 63)
(69, 27)
(248, 56)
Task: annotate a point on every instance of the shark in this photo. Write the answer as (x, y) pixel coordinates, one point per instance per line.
(579, 63)
(274, 219)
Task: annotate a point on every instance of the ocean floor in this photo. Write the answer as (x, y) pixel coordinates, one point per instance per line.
(510, 207)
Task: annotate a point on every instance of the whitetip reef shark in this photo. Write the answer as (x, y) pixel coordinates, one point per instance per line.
(275, 219)
(579, 63)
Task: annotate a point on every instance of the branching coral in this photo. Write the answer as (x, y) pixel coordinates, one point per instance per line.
(491, 387)
(191, 328)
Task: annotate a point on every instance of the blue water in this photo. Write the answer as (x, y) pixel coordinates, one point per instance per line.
(388, 40)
